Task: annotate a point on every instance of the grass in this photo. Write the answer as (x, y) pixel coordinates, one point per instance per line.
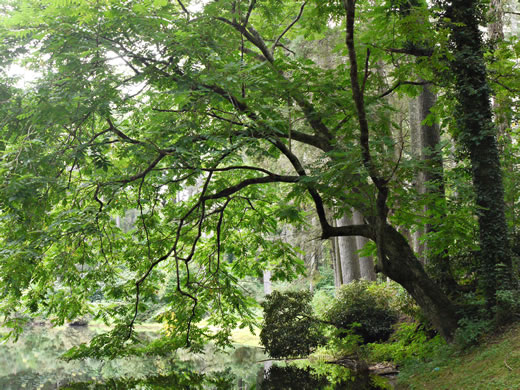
(242, 337)
(245, 337)
(494, 365)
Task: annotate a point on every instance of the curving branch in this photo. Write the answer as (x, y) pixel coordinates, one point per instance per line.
(399, 83)
(184, 9)
(141, 174)
(298, 167)
(120, 134)
(364, 138)
(218, 231)
(247, 182)
(275, 44)
(322, 138)
(415, 51)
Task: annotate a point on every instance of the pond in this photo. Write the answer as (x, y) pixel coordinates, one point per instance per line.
(33, 363)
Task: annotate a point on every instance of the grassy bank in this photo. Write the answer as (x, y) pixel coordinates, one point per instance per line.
(494, 365)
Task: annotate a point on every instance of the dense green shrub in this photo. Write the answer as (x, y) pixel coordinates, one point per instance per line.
(411, 341)
(289, 329)
(359, 302)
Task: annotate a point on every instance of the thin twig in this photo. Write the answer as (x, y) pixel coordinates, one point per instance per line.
(249, 10)
(140, 203)
(507, 365)
(286, 48)
(512, 90)
(366, 71)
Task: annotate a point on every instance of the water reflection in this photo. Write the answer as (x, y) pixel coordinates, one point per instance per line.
(33, 363)
(292, 378)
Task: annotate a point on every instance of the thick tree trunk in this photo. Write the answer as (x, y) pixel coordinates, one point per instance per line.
(401, 265)
(366, 264)
(477, 132)
(395, 257)
(348, 254)
(416, 147)
(430, 182)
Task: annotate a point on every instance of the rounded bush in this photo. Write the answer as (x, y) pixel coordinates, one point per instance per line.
(289, 329)
(360, 303)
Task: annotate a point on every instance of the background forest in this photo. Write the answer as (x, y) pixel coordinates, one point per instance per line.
(160, 160)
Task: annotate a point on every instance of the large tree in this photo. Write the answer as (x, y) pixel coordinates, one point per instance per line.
(135, 102)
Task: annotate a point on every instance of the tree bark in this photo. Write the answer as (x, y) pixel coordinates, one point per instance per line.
(430, 184)
(336, 262)
(395, 257)
(478, 133)
(402, 266)
(366, 264)
(335, 266)
(416, 147)
(348, 254)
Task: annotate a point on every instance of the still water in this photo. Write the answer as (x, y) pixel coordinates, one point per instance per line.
(33, 363)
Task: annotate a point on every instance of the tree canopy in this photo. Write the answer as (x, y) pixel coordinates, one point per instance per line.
(218, 125)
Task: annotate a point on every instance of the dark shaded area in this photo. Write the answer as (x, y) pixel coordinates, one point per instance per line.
(289, 328)
(292, 378)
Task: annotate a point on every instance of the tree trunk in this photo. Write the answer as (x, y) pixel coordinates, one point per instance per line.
(401, 265)
(348, 254)
(268, 287)
(430, 183)
(334, 258)
(416, 147)
(500, 103)
(366, 264)
(396, 259)
(336, 261)
(477, 133)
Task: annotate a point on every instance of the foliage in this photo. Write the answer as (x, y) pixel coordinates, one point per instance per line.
(321, 302)
(178, 378)
(409, 343)
(508, 306)
(289, 329)
(214, 129)
(471, 331)
(343, 342)
(326, 278)
(356, 303)
(492, 365)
